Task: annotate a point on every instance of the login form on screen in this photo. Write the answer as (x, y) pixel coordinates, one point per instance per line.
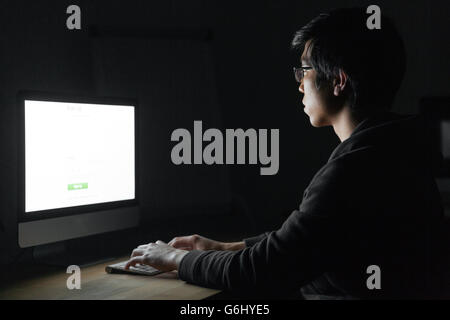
(78, 154)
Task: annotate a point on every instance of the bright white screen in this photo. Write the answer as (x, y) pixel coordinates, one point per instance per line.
(77, 154)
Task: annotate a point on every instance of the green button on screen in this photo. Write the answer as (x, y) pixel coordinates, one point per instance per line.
(77, 186)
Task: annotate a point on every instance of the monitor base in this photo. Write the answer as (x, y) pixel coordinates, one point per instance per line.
(59, 255)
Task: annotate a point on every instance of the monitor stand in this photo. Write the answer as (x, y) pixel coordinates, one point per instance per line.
(59, 255)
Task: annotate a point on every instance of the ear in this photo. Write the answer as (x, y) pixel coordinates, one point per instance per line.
(340, 83)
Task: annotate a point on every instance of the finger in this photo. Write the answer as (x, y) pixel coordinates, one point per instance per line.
(134, 261)
(173, 243)
(145, 246)
(176, 239)
(137, 252)
(159, 242)
(180, 242)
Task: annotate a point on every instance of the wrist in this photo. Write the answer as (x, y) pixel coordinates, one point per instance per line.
(179, 255)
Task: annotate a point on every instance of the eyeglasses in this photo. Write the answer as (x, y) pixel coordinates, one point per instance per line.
(299, 73)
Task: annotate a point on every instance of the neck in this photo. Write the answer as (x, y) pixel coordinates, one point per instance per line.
(344, 123)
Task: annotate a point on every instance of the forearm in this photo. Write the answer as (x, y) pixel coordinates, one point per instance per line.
(286, 259)
(234, 246)
(178, 255)
(247, 269)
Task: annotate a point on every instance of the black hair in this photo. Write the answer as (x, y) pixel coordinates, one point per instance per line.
(374, 60)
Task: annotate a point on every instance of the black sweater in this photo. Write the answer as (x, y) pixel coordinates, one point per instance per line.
(374, 202)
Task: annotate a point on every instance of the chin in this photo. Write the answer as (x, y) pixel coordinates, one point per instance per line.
(317, 122)
(316, 117)
(314, 123)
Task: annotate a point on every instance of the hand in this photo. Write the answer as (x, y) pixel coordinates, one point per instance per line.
(197, 242)
(158, 255)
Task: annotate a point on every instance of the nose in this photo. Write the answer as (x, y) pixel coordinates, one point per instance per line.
(301, 88)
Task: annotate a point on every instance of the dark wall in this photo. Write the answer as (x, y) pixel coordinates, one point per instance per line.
(228, 64)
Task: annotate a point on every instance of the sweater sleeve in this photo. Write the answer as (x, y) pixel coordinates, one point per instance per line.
(287, 258)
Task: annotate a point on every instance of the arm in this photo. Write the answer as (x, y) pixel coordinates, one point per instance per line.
(249, 242)
(233, 246)
(197, 242)
(299, 251)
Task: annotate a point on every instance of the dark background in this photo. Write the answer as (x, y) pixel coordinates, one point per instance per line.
(227, 63)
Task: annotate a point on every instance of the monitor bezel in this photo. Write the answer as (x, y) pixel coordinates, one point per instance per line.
(76, 210)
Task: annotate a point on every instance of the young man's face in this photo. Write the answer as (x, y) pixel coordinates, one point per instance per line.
(319, 103)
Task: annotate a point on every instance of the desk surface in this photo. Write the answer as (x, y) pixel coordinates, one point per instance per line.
(97, 284)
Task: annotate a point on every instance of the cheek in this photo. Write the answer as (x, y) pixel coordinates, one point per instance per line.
(312, 98)
(315, 102)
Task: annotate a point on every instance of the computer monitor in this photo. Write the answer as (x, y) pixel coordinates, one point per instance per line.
(77, 167)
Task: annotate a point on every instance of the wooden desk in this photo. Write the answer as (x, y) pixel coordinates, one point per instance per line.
(97, 284)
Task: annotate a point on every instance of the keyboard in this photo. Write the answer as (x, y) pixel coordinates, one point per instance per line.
(138, 269)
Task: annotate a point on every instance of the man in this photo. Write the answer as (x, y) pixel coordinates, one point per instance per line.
(373, 207)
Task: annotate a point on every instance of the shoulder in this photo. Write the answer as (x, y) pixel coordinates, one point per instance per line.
(342, 165)
(336, 175)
